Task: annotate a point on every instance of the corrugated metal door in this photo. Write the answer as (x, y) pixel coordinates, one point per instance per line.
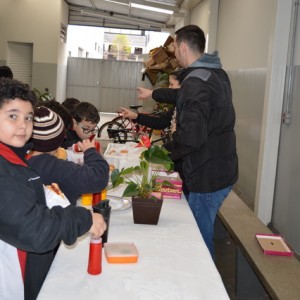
(108, 84)
(19, 58)
(83, 80)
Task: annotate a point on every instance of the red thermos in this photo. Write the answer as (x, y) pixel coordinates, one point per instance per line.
(95, 256)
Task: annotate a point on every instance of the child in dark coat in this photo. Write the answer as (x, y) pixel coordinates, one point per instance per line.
(73, 179)
(29, 230)
(85, 120)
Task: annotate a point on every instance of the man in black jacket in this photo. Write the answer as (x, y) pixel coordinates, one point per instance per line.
(204, 140)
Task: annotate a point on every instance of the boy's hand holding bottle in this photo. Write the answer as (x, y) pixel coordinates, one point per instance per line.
(87, 144)
(99, 225)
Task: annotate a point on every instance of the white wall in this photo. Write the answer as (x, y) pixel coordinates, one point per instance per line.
(205, 15)
(62, 57)
(244, 32)
(30, 21)
(37, 22)
(297, 41)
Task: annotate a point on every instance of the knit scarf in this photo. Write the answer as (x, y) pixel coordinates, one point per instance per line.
(12, 157)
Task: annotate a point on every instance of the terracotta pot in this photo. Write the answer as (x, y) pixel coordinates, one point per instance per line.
(146, 211)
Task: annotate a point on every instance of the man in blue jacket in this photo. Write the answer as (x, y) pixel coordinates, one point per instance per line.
(204, 140)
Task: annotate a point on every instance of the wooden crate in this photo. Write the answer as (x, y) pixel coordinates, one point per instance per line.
(152, 75)
(168, 41)
(149, 62)
(160, 55)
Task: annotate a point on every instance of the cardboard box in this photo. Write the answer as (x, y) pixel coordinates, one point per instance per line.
(149, 62)
(174, 63)
(273, 244)
(168, 192)
(152, 75)
(170, 50)
(160, 55)
(161, 66)
(168, 41)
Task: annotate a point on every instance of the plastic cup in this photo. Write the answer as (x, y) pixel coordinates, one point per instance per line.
(87, 199)
(103, 194)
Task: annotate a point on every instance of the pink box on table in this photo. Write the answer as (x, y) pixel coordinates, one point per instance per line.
(174, 191)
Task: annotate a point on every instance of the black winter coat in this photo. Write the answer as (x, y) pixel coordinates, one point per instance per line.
(73, 179)
(161, 121)
(28, 224)
(204, 140)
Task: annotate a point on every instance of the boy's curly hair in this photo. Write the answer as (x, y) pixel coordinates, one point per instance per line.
(11, 89)
(69, 104)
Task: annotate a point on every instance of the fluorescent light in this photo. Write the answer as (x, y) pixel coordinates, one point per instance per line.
(117, 2)
(151, 8)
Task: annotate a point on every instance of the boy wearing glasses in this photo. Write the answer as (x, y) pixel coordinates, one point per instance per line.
(85, 120)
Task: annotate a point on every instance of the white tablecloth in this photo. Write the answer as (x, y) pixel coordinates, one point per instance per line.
(173, 263)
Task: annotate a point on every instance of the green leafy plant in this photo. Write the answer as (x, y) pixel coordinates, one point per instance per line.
(43, 96)
(143, 182)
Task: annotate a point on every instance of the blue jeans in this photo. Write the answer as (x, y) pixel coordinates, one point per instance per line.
(205, 207)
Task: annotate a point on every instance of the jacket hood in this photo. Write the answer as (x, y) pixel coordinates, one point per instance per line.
(208, 60)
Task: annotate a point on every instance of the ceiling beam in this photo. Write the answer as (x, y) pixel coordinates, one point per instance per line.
(93, 3)
(120, 18)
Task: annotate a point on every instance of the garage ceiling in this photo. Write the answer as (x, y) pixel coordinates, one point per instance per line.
(130, 14)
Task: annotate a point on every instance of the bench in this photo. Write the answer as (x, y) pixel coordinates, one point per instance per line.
(279, 275)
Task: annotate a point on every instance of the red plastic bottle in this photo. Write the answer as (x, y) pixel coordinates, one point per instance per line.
(95, 256)
(96, 198)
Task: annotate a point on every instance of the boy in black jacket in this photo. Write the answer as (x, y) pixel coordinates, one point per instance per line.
(27, 226)
(85, 120)
(73, 179)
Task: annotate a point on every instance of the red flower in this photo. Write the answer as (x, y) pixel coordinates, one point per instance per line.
(144, 142)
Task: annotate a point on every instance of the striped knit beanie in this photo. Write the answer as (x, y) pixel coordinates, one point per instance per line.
(48, 130)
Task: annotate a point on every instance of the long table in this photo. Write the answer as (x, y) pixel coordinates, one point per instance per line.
(173, 262)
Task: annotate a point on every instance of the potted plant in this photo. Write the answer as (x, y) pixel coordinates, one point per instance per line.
(141, 182)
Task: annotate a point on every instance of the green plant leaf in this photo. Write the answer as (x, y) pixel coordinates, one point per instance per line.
(157, 155)
(167, 183)
(116, 178)
(131, 190)
(127, 171)
(146, 184)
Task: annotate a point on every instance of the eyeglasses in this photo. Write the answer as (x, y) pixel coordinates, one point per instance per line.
(87, 130)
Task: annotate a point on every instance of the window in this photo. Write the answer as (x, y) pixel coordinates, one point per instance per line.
(63, 33)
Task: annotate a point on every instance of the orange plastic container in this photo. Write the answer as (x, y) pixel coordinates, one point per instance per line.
(121, 253)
